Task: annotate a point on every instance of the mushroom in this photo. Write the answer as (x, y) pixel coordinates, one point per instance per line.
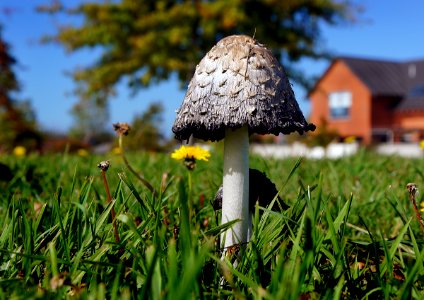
(238, 88)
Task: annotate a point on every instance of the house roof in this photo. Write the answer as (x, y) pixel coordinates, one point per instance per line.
(390, 78)
(381, 77)
(412, 103)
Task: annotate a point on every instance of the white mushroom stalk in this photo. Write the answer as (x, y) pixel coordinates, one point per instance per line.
(235, 204)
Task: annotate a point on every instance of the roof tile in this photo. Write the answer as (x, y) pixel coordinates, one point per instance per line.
(391, 78)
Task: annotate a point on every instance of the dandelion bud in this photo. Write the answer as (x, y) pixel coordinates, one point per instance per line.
(121, 128)
(104, 165)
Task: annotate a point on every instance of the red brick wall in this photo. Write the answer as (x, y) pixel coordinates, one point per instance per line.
(410, 120)
(340, 78)
(382, 112)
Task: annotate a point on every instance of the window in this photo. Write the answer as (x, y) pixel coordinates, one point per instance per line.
(339, 103)
(417, 91)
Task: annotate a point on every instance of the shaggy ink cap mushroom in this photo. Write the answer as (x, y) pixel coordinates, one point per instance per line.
(239, 82)
(238, 88)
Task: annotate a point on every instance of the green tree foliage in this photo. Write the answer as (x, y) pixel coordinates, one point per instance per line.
(146, 41)
(145, 131)
(17, 119)
(322, 136)
(90, 122)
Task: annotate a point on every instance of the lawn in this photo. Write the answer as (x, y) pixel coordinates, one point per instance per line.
(350, 233)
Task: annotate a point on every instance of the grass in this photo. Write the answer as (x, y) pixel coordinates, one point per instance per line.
(350, 232)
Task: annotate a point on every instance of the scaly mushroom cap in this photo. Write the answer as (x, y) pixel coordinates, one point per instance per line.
(239, 82)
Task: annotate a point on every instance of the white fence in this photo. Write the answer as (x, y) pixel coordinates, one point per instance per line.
(406, 150)
(333, 151)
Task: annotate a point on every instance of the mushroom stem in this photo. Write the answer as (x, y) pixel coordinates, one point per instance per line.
(235, 199)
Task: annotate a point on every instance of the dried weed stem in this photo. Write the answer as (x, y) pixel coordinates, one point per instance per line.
(139, 177)
(104, 166)
(412, 189)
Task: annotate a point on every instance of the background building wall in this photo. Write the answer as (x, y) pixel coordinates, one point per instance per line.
(340, 78)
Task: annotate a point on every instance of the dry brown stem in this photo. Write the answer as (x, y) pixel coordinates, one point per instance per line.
(104, 165)
(412, 189)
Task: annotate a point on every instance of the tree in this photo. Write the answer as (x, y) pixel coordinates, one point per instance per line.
(17, 119)
(145, 131)
(147, 41)
(90, 122)
(322, 136)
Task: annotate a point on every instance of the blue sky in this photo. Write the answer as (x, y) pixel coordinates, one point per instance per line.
(387, 29)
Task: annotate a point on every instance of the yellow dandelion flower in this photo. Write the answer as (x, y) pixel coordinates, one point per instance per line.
(422, 207)
(191, 153)
(422, 144)
(117, 150)
(19, 151)
(82, 152)
(350, 139)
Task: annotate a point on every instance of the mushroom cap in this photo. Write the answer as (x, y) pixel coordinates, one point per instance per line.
(238, 82)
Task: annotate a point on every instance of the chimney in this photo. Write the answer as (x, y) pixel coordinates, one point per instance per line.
(412, 71)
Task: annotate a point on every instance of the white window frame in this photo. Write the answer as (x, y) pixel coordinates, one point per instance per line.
(339, 104)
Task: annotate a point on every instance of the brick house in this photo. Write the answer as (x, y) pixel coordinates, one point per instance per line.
(373, 100)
